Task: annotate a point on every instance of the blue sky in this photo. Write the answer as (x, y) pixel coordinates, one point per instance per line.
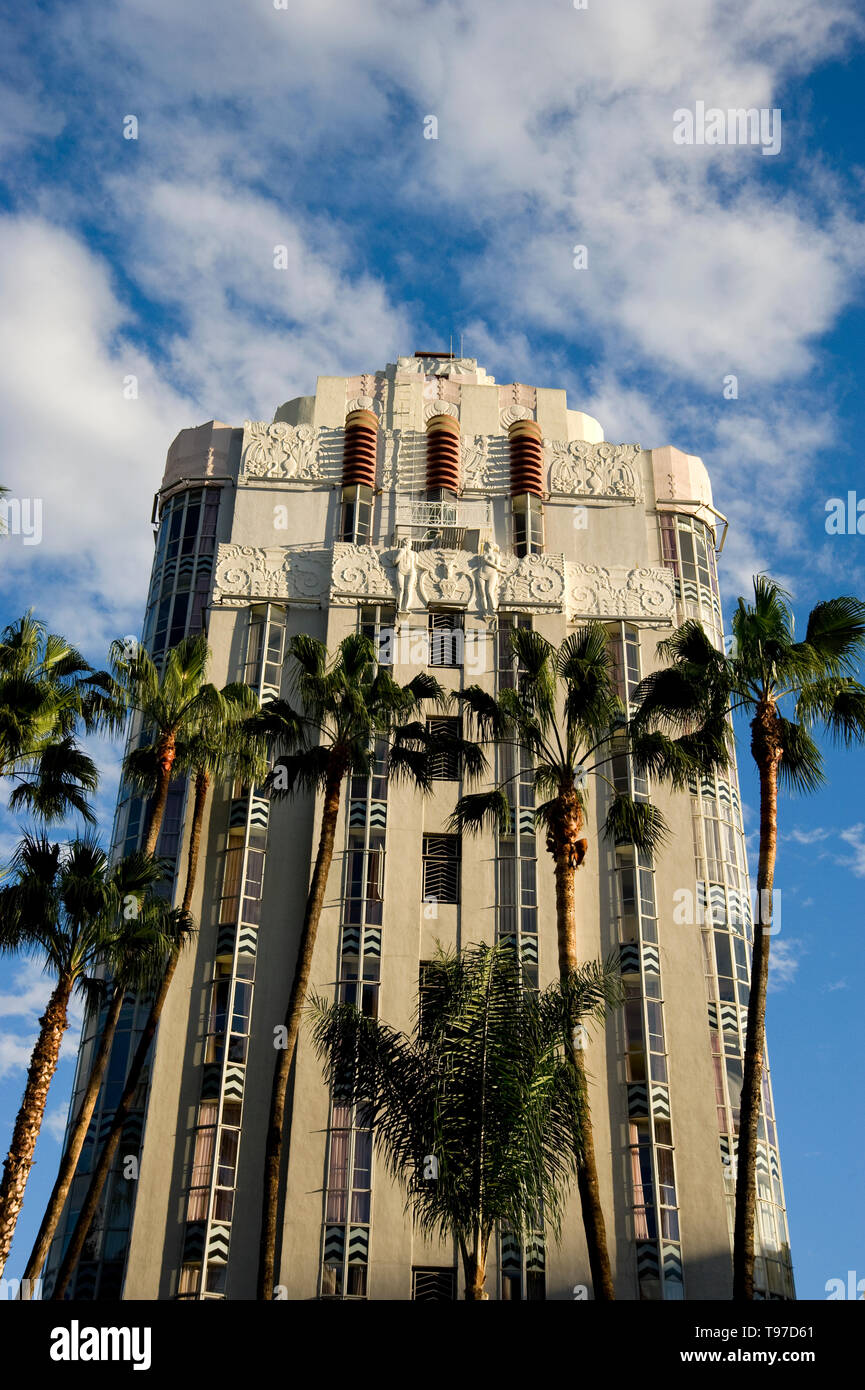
(304, 128)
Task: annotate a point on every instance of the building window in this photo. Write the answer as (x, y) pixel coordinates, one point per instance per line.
(356, 524)
(508, 664)
(445, 765)
(528, 513)
(347, 1206)
(441, 868)
(624, 650)
(445, 638)
(688, 549)
(265, 648)
(377, 621)
(433, 1285)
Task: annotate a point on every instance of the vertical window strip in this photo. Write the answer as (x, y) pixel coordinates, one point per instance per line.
(725, 926)
(347, 1214)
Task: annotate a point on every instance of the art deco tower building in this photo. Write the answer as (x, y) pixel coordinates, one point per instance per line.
(426, 501)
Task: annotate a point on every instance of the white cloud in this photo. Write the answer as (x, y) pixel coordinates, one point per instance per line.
(808, 837)
(855, 837)
(784, 960)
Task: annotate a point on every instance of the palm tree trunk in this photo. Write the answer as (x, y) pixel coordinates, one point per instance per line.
(767, 754)
(69, 1162)
(202, 782)
(106, 1157)
(565, 842)
(165, 757)
(121, 1114)
(587, 1173)
(475, 1265)
(43, 1064)
(285, 1055)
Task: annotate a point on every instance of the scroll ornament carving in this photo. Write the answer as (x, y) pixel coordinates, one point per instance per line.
(615, 591)
(363, 403)
(248, 571)
(581, 469)
(279, 450)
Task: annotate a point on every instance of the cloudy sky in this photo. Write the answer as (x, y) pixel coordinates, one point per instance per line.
(305, 127)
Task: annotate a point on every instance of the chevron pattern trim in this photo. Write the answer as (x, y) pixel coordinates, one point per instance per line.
(638, 1100)
(269, 692)
(774, 1165)
(225, 940)
(334, 1244)
(218, 1241)
(357, 814)
(237, 814)
(372, 941)
(350, 941)
(661, 1101)
(651, 959)
(529, 950)
(358, 1245)
(377, 815)
(211, 1075)
(717, 906)
(713, 1017)
(247, 940)
(536, 1253)
(648, 1264)
(133, 1130)
(259, 812)
(234, 1079)
(671, 1257)
(629, 958)
(193, 1244)
(525, 817)
(511, 1254)
(730, 1021)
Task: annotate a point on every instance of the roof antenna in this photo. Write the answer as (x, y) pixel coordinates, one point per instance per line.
(461, 346)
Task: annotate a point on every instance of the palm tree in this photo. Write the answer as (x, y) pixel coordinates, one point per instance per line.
(173, 705)
(147, 930)
(45, 694)
(342, 706)
(214, 739)
(478, 1112)
(767, 673)
(63, 907)
(567, 719)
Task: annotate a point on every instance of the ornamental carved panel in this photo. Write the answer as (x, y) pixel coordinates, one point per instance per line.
(280, 451)
(275, 572)
(581, 469)
(615, 591)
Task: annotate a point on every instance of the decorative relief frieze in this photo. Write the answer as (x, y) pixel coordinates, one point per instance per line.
(615, 591)
(581, 469)
(290, 453)
(277, 572)
(414, 579)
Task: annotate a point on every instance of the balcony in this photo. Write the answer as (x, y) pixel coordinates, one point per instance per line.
(453, 525)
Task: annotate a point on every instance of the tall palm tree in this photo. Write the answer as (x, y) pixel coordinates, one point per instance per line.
(147, 931)
(564, 716)
(342, 706)
(483, 1086)
(214, 739)
(64, 907)
(788, 687)
(45, 696)
(172, 705)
